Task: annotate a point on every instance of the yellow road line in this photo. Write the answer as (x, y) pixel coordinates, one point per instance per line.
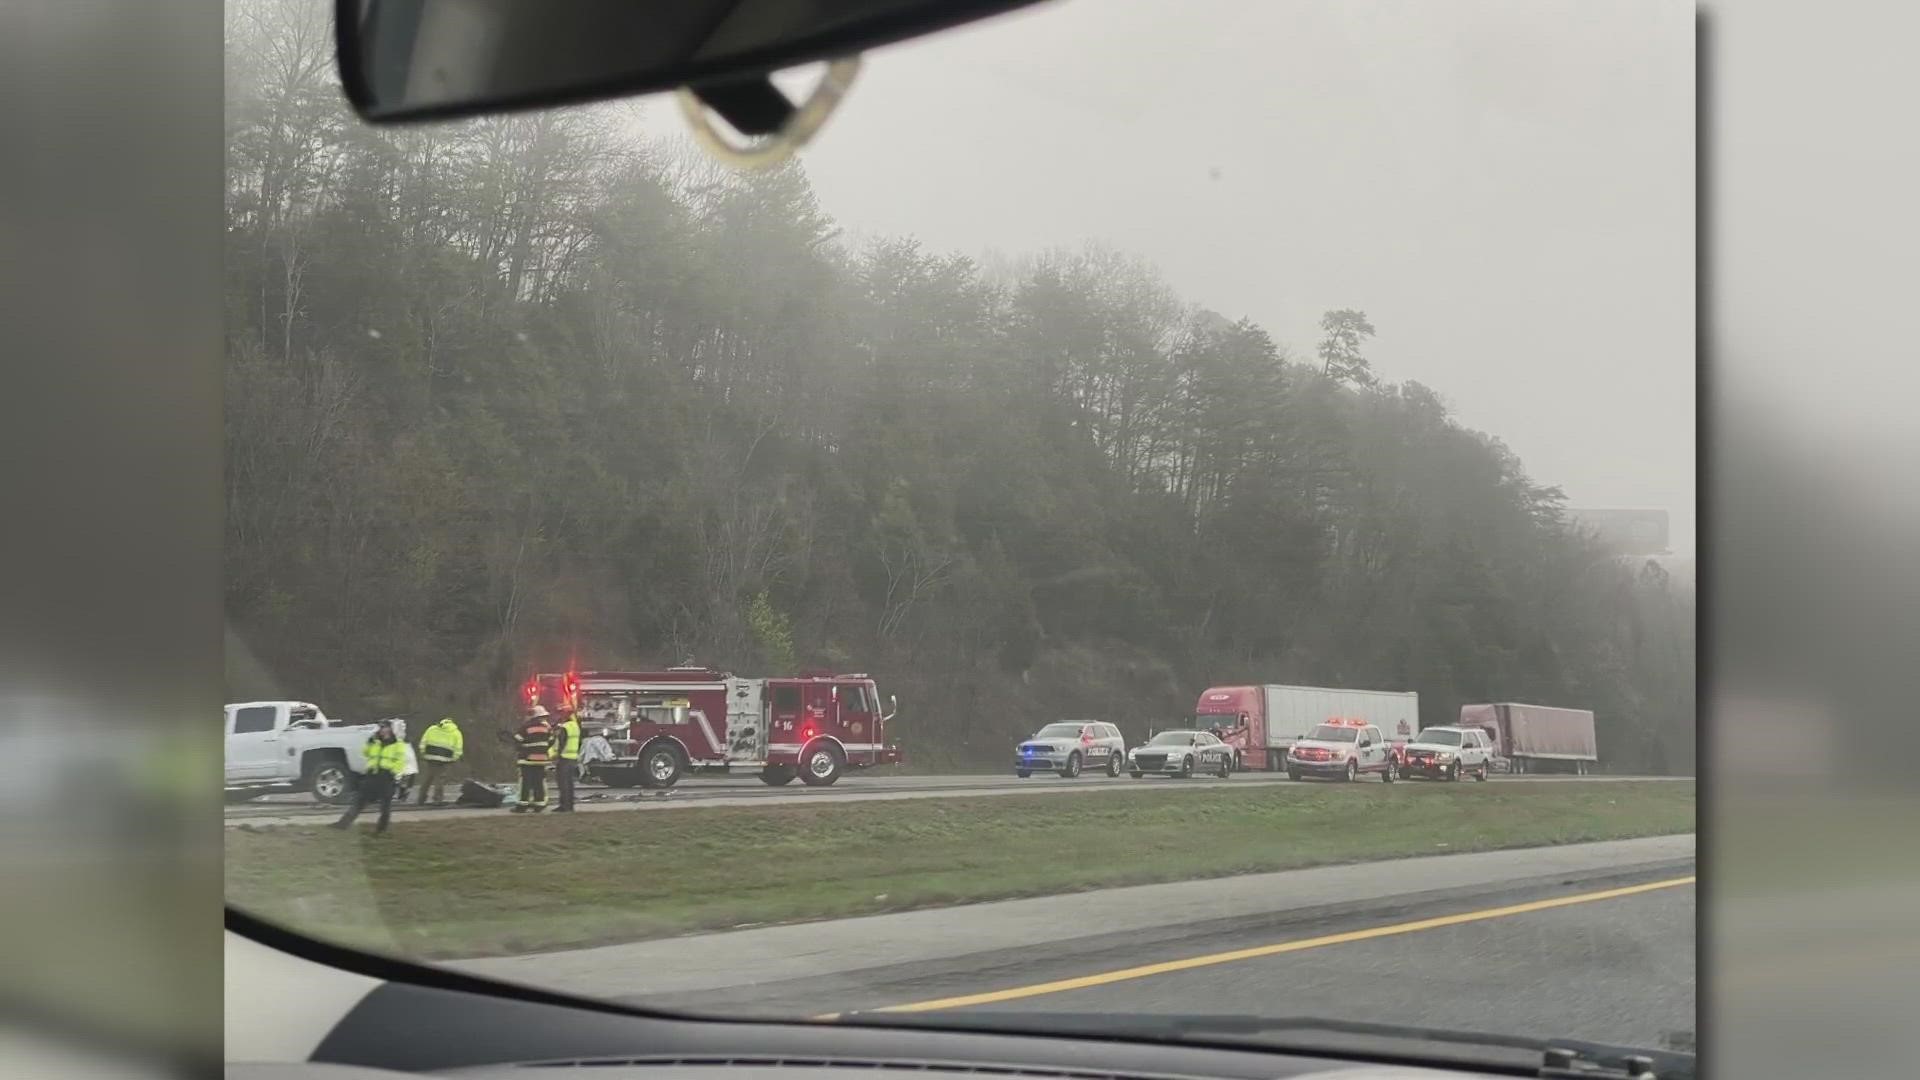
(1211, 959)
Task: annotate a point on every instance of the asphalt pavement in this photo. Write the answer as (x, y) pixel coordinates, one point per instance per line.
(1617, 969)
(301, 809)
(1591, 941)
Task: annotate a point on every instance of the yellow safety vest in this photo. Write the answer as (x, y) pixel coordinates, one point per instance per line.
(442, 742)
(566, 739)
(386, 757)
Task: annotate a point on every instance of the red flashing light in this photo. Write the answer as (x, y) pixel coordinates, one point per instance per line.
(806, 733)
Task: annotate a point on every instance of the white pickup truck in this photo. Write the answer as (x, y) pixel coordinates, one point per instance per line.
(292, 746)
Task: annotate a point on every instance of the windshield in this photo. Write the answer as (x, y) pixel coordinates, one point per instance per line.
(1439, 738)
(1118, 360)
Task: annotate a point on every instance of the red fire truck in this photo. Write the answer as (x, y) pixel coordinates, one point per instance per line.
(662, 725)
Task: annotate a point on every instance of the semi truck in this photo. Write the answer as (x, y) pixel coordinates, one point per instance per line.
(663, 725)
(1261, 722)
(1537, 738)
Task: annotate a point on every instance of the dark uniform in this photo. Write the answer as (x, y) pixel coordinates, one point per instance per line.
(533, 741)
(566, 760)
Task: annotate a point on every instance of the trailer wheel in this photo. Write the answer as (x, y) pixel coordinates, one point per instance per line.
(660, 765)
(820, 764)
(778, 775)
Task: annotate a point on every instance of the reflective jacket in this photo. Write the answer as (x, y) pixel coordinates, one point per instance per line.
(390, 758)
(566, 739)
(533, 739)
(442, 742)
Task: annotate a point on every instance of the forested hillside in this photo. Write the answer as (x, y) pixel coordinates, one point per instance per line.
(508, 393)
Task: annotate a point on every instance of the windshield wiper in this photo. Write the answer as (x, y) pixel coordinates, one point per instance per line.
(1549, 1058)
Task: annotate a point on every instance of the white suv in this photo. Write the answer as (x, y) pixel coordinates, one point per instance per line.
(1448, 753)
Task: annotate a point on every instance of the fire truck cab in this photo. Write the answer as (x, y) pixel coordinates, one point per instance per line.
(662, 725)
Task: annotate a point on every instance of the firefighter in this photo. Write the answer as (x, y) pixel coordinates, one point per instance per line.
(440, 746)
(534, 740)
(386, 758)
(566, 759)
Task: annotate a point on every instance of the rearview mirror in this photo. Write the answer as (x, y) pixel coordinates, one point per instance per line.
(415, 59)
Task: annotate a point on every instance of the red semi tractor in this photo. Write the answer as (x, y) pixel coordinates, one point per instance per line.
(662, 725)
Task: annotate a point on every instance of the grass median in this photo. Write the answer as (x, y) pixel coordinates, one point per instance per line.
(513, 883)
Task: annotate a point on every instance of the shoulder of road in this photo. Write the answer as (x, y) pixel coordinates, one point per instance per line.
(739, 792)
(811, 950)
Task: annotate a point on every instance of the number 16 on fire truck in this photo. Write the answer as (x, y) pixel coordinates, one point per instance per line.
(662, 725)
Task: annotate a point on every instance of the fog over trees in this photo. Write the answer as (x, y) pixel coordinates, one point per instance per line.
(513, 393)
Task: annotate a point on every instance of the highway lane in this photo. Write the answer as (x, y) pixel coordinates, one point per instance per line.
(1606, 956)
(300, 809)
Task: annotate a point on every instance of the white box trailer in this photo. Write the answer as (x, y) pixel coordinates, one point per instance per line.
(1260, 722)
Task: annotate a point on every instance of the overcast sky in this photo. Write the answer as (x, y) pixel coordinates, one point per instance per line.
(1506, 187)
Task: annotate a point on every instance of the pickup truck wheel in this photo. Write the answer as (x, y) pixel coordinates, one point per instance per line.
(1113, 764)
(1452, 774)
(1353, 771)
(331, 782)
(820, 764)
(778, 775)
(1481, 776)
(1391, 773)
